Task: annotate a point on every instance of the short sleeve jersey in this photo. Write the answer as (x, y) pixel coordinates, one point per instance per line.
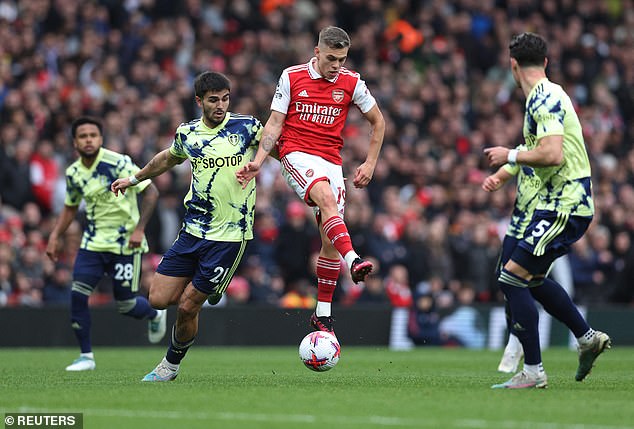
(110, 219)
(526, 198)
(316, 109)
(217, 208)
(566, 188)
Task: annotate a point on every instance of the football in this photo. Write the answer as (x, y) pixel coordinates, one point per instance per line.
(320, 351)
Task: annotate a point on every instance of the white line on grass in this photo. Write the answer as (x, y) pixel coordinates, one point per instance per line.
(371, 421)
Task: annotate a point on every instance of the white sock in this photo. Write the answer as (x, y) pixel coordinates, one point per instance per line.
(170, 365)
(87, 355)
(534, 369)
(587, 337)
(350, 257)
(514, 345)
(323, 308)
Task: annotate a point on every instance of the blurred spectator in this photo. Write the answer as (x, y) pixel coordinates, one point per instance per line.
(397, 287)
(437, 69)
(298, 238)
(423, 326)
(16, 189)
(300, 294)
(266, 289)
(57, 287)
(465, 323)
(44, 175)
(623, 269)
(238, 291)
(6, 281)
(586, 272)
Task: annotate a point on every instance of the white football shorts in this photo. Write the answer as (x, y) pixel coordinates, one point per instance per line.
(302, 170)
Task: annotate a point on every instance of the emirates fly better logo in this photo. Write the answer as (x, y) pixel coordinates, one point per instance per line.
(318, 113)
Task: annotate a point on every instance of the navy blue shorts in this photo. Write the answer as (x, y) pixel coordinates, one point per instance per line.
(547, 237)
(508, 246)
(210, 264)
(124, 270)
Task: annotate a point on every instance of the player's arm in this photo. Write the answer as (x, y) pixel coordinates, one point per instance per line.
(496, 180)
(365, 171)
(270, 135)
(149, 198)
(161, 162)
(548, 152)
(66, 217)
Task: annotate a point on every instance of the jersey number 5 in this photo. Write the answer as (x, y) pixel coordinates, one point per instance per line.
(541, 228)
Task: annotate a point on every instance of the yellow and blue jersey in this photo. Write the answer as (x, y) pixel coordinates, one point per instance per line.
(217, 208)
(526, 198)
(110, 219)
(565, 188)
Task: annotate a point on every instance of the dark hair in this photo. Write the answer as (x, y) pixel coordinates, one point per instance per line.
(82, 121)
(528, 49)
(210, 81)
(334, 38)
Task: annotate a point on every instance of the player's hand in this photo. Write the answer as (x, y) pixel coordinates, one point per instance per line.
(246, 173)
(363, 175)
(52, 248)
(136, 238)
(491, 183)
(120, 185)
(497, 155)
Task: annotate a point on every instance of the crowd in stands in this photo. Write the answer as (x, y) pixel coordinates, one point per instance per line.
(439, 70)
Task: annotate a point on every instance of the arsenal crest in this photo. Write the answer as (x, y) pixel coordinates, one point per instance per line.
(337, 95)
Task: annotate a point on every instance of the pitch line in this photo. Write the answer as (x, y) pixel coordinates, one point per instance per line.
(370, 421)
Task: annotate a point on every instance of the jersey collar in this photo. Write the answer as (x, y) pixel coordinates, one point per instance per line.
(218, 127)
(95, 162)
(314, 74)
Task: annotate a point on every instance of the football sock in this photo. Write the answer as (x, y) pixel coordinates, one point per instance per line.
(88, 355)
(80, 320)
(142, 309)
(172, 366)
(509, 317)
(177, 350)
(337, 233)
(558, 304)
(534, 369)
(587, 337)
(327, 271)
(323, 309)
(513, 344)
(525, 315)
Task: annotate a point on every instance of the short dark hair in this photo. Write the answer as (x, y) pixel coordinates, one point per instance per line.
(82, 120)
(334, 38)
(210, 81)
(528, 49)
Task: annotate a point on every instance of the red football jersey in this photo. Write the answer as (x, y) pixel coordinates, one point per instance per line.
(316, 109)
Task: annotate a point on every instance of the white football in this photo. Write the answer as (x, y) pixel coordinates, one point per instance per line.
(320, 351)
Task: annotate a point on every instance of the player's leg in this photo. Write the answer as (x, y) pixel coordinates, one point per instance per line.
(558, 303)
(513, 281)
(186, 326)
(327, 271)
(125, 271)
(88, 270)
(335, 229)
(320, 183)
(216, 265)
(513, 352)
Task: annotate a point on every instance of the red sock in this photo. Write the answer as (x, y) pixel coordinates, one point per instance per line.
(337, 233)
(327, 275)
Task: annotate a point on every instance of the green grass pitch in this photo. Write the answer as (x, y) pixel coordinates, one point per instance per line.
(246, 388)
